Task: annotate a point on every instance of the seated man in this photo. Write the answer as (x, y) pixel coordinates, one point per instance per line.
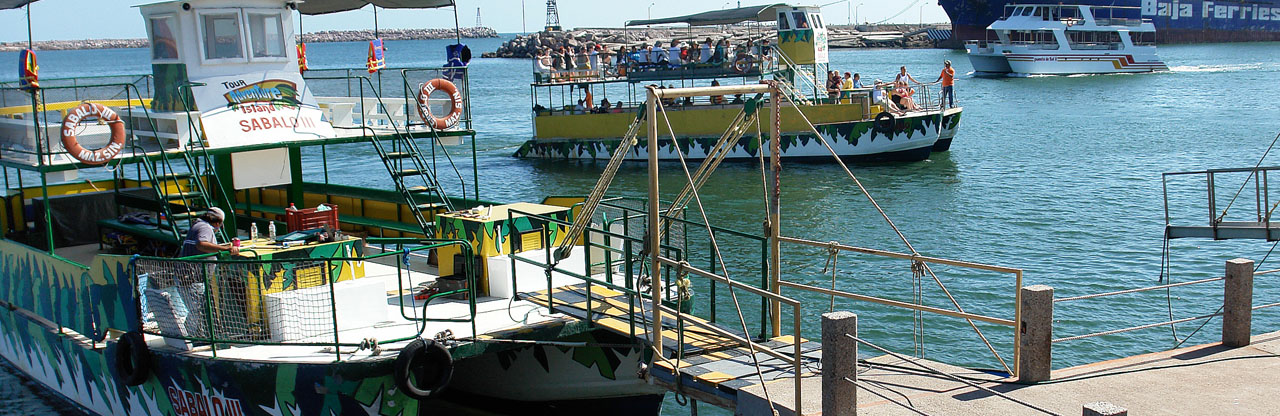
(201, 238)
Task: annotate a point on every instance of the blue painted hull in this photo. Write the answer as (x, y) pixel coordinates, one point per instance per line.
(1191, 21)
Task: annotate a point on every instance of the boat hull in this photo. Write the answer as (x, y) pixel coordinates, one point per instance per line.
(1082, 62)
(560, 377)
(970, 18)
(987, 60)
(911, 138)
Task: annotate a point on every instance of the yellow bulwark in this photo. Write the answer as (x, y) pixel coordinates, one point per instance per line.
(703, 121)
(62, 107)
(696, 361)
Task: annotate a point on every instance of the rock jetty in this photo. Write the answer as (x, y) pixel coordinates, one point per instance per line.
(311, 37)
(860, 36)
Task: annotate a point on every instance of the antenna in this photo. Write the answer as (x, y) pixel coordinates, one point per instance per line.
(478, 24)
(553, 16)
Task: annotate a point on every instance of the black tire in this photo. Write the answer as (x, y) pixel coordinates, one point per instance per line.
(132, 359)
(429, 362)
(465, 55)
(884, 122)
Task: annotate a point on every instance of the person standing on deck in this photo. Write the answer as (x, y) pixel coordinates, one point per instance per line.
(201, 237)
(948, 78)
(903, 76)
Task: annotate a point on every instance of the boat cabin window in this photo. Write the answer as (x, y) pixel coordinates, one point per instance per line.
(801, 21)
(1017, 11)
(816, 19)
(1038, 39)
(266, 35)
(783, 24)
(1143, 38)
(164, 45)
(1093, 39)
(221, 36)
(1033, 10)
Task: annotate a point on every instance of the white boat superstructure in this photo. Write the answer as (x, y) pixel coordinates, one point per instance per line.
(1060, 39)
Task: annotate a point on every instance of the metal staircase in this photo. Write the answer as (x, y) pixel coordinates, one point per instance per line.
(179, 189)
(401, 156)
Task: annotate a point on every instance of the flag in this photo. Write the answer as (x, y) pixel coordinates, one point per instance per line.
(376, 59)
(302, 58)
(28, 71)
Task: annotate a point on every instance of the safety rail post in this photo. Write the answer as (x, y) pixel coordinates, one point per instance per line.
(333, 312)
(1036, 334)
(1237, 303)
(840, 362)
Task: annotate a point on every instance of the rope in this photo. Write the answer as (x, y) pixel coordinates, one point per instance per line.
(882, 396)
(1221, 308)
(928, 269)
(1135, 328)
(587, 212)
(1141, 289)
(1250, 177)
(833, 254)
(755, 361)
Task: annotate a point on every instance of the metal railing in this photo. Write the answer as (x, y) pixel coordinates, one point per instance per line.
(631, 287)
(224, 302)
(959, 312)
(1262, 206)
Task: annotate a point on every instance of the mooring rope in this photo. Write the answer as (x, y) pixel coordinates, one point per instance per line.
(719, 258)
(901, 236)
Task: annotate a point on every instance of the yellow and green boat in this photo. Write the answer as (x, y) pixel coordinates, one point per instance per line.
(570, 121)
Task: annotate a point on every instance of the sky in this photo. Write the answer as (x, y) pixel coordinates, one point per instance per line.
(102, 19)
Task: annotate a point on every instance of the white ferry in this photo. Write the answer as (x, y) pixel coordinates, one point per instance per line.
(1066, 39)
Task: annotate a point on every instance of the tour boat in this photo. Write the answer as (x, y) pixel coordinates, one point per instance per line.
(1059, 39)
(105, 175)
(571, 122)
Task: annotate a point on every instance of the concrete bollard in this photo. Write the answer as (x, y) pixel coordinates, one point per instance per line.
(1036, 344)
(1237, 303)
(839, 361)
(1104, 409)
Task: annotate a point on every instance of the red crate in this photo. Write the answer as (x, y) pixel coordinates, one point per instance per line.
(309, 218)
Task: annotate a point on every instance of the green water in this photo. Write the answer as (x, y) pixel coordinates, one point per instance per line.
(1058, 176)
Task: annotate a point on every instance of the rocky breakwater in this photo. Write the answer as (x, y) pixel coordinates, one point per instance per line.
(314, 37)
(860, 36)
(527, 46)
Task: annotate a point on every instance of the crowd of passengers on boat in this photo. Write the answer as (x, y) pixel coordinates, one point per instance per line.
(598, 61)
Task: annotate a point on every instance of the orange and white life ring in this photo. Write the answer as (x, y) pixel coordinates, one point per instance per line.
(103, 115)
(455, 103)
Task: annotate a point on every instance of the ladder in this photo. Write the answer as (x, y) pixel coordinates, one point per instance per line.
(179, 191)
(412, 176)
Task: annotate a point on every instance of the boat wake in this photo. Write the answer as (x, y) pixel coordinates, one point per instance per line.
(1218, 68)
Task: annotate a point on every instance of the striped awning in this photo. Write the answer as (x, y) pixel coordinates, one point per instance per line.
(938, 34)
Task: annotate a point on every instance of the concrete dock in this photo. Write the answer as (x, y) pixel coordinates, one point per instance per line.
(1205, 379)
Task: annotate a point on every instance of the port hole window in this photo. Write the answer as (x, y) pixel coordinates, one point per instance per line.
(266, 36)
(164, 45)
(222, 36)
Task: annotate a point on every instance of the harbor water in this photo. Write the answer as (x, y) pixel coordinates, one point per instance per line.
(1058, 176)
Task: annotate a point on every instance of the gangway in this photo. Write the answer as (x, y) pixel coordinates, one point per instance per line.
(1252, 219)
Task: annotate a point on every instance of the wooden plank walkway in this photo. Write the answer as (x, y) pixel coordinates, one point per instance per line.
(713, 369)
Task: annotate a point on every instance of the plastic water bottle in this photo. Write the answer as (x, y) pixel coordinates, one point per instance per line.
(253, 231)
(271, 230)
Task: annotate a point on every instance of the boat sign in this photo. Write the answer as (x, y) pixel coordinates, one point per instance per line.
(251, 109)
(186, 403)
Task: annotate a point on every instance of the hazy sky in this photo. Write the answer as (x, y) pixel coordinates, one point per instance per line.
(86, 19)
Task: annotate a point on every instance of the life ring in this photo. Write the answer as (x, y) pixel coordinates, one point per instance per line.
(743, 64)
(429, 362)
(884, 122)
(132, 359)
(455, 103)
(103, 114)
